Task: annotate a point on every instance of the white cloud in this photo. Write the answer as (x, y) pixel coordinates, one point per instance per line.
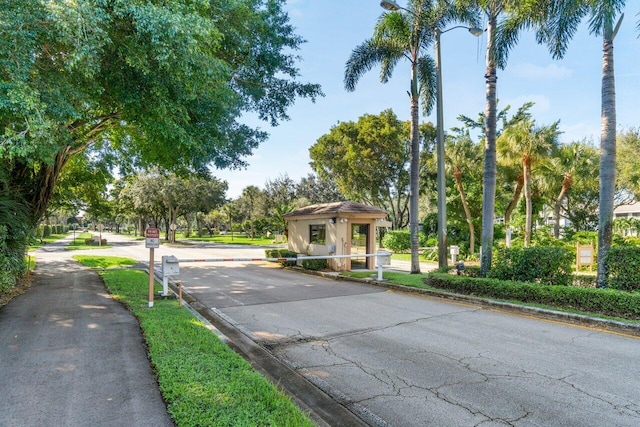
(579, 131)
(536, 72)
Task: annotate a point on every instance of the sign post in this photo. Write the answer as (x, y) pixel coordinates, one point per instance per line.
(152, 241)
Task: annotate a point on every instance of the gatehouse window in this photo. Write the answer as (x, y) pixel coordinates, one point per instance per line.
(317, 234)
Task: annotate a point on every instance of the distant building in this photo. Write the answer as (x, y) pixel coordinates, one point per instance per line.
(340, 228)
(627, 211)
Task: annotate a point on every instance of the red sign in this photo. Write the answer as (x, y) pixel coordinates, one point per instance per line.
(152, 233)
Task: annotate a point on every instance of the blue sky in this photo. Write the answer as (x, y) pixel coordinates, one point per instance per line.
(567, 90)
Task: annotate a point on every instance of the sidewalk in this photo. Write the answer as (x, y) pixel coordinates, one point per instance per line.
(70, 355)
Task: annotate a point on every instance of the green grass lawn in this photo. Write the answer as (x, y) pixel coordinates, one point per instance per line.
(36, 243)
(104, 261)
(203, 381)
(237, 239)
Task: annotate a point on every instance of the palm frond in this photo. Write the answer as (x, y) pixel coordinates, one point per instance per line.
(427, 83)
(559, 25)
(362, 59)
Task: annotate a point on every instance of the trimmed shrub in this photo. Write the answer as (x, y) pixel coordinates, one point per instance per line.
(314, 264)
(46, 231)
(397, 240)
(623, 266)
(540, 264)
(608, 302)
(281, 253)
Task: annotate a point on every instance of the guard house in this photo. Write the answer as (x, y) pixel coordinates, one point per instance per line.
(340, 228)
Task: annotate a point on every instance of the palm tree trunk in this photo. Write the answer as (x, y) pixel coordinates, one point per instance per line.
(457, 175)
(607, 156)
(526, 167)
(514, 200)
(414, 173)
(489, 174)
(566, 185)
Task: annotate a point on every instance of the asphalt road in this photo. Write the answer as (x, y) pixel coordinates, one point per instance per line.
(408, 360)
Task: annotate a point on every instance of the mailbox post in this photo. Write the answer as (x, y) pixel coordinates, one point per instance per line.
(170, 267)
(152, 241)
(384, 259)
(454, 251)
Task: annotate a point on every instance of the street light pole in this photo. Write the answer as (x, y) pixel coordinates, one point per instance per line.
(441, 177)
(440, 174)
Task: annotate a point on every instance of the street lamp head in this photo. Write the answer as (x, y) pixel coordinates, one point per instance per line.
(476, 31)
(390, 5)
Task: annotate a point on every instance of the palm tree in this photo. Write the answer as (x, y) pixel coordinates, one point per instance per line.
(568, 161)
(403, 34)
(563, 19)
(529, 143)
(462, 157)
(502, 35)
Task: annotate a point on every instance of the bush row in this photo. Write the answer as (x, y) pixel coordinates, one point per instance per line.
(623, 265)
(308, 264)
(610, 302)
(551, 265)
(91, 241)
(547, 265)
(282, 253)
(400, 240)
(12, 260)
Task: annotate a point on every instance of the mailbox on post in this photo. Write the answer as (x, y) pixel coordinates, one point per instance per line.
(454, 251)
(384, 257)
(170, 267)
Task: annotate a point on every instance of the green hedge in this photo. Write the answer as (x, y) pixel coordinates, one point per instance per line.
(314, 264)
(609, 302)
(397, 240)
(282, 253)
(547, 265)
(12, 260)
(623, 265)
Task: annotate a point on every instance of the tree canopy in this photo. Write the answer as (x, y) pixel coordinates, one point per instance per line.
(153, 83)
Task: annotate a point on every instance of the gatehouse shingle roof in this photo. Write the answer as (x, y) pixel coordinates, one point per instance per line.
(336, 208)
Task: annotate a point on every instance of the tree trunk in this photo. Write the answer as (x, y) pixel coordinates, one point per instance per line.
(37, 183)
(526, 167)
(457, 175)
(489, 173)
(607, 156)
(415, 168)
(567, 181)
(514, 199)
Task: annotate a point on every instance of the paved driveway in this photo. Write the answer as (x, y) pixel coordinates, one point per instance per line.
(408, 360)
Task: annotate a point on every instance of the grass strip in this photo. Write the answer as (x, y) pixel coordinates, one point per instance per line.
(95, 261)
(40, 242)
(231, 240)
(203, 381)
